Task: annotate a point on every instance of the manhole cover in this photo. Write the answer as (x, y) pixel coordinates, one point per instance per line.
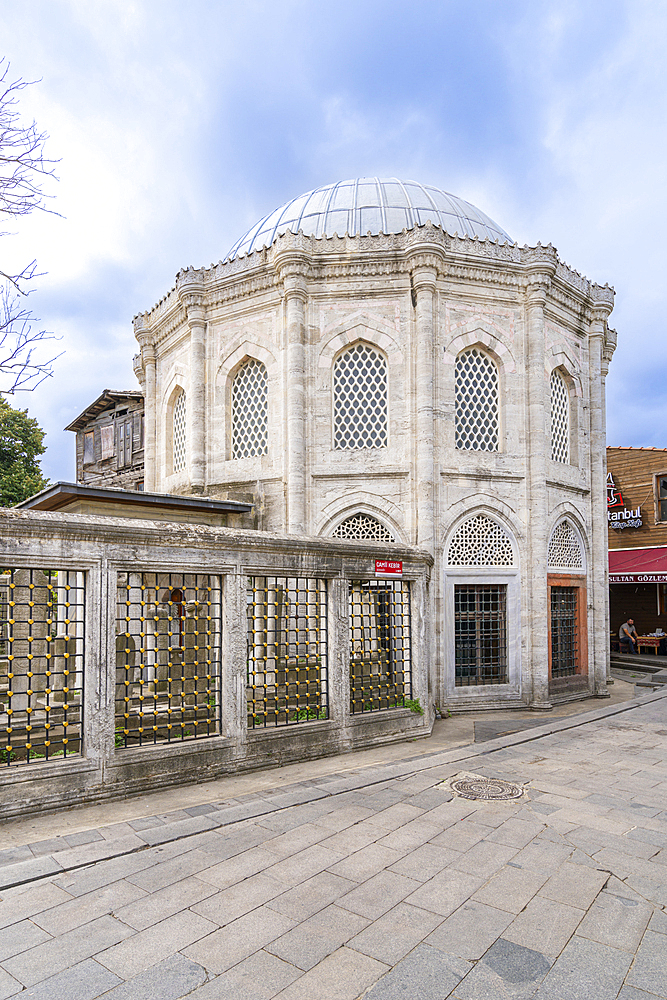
(486, 788)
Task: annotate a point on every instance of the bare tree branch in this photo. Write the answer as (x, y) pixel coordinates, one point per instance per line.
(23, 164)
(23, 168)
(22, 365)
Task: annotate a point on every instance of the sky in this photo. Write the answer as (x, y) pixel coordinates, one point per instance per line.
(177, 125)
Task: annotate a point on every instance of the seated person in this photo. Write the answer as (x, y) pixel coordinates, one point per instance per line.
(627, 635)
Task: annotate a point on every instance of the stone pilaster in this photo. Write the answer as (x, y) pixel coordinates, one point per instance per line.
(191, 293)
(423, 276)
(147, 366)
(534, 574)
(292, 269)
(600, 349)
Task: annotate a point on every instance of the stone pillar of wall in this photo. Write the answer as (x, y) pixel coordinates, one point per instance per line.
(534, 573)
(292, 271)
(148, 367)
(423, 283)
(191, 292)
(600, 350)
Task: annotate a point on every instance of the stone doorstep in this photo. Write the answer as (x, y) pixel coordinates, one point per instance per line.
(312, 792)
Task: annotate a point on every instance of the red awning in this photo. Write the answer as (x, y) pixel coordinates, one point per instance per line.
(638, 565)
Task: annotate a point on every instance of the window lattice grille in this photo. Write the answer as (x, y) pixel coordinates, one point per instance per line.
(564, 548)
(167, 657)
(380, 670)
(287, 651)
(479, 541)
(476, 402)
(250, 410)
(178, 440)
(360, 399)
(41, 664)
(560, 419)
(363, 526)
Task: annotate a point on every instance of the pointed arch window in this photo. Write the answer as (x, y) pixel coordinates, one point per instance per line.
(360, 399)
(560, 418)
(179, 433)
(250, 410)
(363, 526)
(565, 550)
(477, 412)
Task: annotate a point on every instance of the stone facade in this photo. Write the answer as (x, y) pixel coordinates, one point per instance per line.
(468, 343)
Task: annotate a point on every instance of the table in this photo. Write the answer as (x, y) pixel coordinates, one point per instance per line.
(650, 641)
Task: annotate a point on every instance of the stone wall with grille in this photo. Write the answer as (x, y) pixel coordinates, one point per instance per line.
(136, 654)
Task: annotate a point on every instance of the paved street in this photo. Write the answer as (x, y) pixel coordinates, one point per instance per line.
(374, 882)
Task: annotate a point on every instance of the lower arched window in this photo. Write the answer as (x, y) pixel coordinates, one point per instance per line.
(178, 437)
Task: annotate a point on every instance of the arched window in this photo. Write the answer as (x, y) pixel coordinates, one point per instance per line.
(178, 433)
(363, 526)
(479, 541)
(481, 649)
(476, 402)
(250, 410)
(565, 550)
(560, 418)
(360, 399)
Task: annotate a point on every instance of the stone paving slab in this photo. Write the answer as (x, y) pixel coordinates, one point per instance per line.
(376, 884)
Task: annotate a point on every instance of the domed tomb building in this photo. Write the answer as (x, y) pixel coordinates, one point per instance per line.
(377, 359)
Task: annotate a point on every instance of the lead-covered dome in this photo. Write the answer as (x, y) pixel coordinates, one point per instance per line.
(370, 205)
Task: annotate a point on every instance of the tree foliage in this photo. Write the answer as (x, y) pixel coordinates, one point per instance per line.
(23, 169)
(21, 444)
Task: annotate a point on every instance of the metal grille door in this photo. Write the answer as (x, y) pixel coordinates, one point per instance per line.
(287, 651)
(564, 633)
(480, 634)
(380, 662)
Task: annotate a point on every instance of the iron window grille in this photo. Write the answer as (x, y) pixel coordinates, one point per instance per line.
(363, 526)
(250, 413)
(476, 381)
(564, 632)
(179, 433)
(560, 418)
(41, 664)
(480, 634)
(167, 658)
(380, 637)
(287, 679)
(360, 399)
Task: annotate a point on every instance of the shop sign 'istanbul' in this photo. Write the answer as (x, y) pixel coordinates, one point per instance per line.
(618, 515)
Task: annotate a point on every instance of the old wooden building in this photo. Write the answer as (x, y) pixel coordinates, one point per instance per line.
(110, 441)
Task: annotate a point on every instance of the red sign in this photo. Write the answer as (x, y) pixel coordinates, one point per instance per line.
(388, 567)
